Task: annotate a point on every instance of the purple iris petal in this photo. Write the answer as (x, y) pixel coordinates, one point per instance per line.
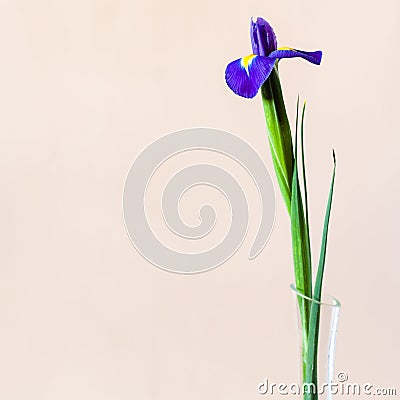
(311, 56)
(246, 75)
(263, 39)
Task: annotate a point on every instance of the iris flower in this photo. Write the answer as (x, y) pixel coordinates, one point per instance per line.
(246, 75)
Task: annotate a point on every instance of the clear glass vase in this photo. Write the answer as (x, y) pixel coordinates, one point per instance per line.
(324, 342)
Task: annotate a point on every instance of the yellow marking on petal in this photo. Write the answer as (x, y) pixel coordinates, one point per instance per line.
(286, 48)
(246, 62)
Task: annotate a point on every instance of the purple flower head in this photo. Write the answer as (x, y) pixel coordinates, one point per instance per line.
(246, 75)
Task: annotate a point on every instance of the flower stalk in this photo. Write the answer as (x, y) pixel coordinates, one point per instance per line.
(279, 135)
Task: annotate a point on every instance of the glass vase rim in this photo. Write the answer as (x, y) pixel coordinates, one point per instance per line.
(334, 302)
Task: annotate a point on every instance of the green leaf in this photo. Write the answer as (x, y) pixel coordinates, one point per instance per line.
(311, 363)
(300, 237)
(304, 173)
(301, 249)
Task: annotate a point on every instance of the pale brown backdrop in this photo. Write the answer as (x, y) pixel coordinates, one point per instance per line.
(84, 87)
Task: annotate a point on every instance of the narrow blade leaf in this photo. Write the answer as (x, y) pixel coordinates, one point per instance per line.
(311, 363)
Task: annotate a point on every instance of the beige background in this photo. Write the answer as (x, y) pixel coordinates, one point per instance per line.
(84, 86)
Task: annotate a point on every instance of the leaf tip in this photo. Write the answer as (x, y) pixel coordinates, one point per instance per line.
(304, 107)
(334, 157)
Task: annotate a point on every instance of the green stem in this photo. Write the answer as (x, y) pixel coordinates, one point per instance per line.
(280, 139)
(279, 134)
